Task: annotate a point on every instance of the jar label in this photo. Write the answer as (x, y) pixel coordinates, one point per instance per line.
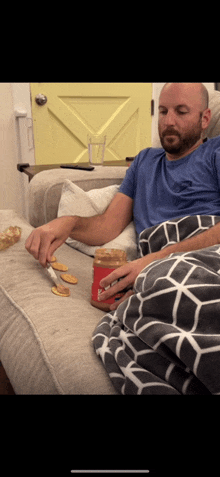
(98, 274)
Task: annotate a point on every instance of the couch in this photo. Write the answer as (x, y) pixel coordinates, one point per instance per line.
(45, 340)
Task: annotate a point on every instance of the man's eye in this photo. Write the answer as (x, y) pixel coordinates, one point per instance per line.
(163, 112)
(182, 112)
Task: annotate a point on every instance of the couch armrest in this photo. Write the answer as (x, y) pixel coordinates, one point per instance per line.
(44, 190)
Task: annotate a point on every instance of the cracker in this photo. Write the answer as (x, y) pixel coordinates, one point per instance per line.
(59, 266)
(56, 292)
(69, 278)
(53, 259)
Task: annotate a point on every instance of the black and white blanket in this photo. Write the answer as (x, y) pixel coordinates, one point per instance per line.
(165, 339)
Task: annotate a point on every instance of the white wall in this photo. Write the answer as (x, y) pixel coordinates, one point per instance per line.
(10, 187)
(13, 184)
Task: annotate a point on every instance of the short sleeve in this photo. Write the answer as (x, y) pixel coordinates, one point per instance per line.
(128, 185)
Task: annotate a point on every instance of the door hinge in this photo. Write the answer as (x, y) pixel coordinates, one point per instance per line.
(152, 107)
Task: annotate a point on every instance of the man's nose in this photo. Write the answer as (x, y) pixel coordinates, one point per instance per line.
(170, 119)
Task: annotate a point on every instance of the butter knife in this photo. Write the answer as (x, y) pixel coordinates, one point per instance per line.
(53, 275)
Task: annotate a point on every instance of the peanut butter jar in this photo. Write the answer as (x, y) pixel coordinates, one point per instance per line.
(105, 262)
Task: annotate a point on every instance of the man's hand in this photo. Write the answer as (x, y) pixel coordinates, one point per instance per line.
(44, 240)
(127, 274)
(130, 271)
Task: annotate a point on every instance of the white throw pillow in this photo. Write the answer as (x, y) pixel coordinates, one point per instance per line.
(75, 201)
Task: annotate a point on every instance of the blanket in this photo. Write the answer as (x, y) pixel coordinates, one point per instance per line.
(165, 339)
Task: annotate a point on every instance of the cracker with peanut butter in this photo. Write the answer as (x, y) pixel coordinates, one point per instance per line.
(61, 291)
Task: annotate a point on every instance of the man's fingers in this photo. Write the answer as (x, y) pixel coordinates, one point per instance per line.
(48, 246)
(119, 286)
(32, 244)
(38, 244)
(120, 279)
(44, 240)
(112, 277)
(115, 305)
(53, 247)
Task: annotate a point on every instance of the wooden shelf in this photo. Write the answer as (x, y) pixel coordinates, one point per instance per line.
(31, 171)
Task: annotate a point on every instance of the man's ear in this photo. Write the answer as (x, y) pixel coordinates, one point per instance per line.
(206, 118)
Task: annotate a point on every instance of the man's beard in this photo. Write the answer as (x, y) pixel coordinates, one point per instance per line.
(180, 143)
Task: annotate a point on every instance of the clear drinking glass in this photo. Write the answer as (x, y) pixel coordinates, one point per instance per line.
(96, 148)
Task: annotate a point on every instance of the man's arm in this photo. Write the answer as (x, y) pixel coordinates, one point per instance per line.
(203, 240)
(96, 230)
(131, 270)
(100, 229)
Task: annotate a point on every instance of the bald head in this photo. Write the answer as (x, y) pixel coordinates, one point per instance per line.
(196, 92)
(183, 117)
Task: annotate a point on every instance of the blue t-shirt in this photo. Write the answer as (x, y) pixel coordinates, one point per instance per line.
(164, 190)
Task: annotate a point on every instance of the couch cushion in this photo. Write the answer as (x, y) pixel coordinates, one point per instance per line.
(214, 104)
(45, 340)
(45, 188)
(75, 201)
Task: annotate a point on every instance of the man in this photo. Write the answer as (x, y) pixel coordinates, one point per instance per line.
(181, 179)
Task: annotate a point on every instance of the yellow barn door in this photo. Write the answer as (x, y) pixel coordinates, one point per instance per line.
(121, 111)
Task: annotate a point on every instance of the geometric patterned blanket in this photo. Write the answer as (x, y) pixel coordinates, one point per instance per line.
(165, 339)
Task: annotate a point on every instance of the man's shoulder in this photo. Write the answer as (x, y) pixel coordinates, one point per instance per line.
(207, 151)
(213, 143)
